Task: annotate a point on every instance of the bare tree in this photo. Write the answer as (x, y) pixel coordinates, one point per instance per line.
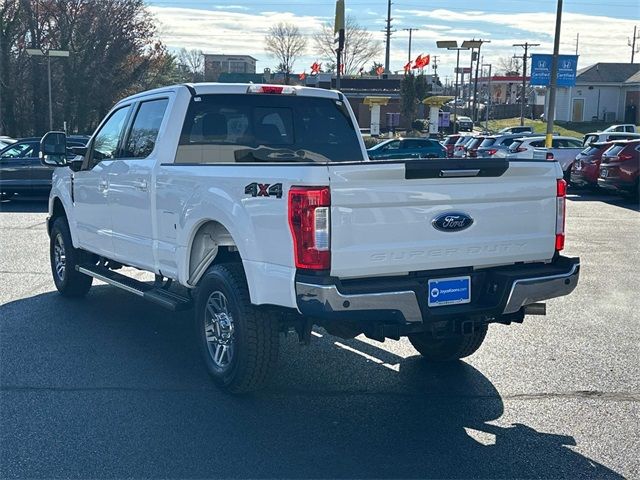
(359, 46)
(285, 42)
(510, 65)
(191, 64)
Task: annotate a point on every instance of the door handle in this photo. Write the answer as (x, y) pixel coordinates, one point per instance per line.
(141, 185)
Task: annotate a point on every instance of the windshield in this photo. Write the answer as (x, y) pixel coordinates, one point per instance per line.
(267, 128)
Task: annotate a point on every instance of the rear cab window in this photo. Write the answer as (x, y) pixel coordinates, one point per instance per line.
(229, 128)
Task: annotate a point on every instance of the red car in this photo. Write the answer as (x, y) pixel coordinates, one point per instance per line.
(586, 168)
(620, 167)
(449, 143)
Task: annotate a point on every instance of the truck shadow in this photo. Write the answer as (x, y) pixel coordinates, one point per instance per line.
(115, 370)
(19, 204)
(586, 195)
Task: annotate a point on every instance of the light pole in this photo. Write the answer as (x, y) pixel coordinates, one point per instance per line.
(474, 44)
(453, 45)
(486, 113)
(48, 53)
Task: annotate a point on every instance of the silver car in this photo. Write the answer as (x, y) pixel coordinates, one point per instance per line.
(497, 146)
(564, 149)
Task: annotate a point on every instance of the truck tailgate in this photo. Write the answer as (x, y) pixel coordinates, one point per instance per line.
(382, 215)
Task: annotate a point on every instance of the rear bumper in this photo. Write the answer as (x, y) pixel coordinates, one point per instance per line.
(494, 292)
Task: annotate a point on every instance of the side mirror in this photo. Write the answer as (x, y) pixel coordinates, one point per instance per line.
(53, 149)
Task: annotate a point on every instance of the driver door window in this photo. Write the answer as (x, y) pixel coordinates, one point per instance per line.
(107, 140)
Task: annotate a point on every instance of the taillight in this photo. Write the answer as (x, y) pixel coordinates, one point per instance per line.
(309, 222)
(549, 156)
(561, 204)
(624, 157)
(492, 151)
(521, 149)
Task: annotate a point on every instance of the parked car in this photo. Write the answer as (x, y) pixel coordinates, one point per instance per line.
(449, 143)
(398, 148)
(465, 124)
(564, 150)
(626, 127)
(517, 129)
(21, 170)
(459, 150)
(4, 141)
(497, 146)
(620, 166)
(472, 146)
(264, 206)
(586, 168)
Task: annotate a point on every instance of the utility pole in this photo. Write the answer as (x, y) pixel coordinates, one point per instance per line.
(410, 30)
(632, 43)
(488, 108)
(1, 82)
(340, 30)
(388, 36)
(475, 84)
(526, 47)
(553, 82)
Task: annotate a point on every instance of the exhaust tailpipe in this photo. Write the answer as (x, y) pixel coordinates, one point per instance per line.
(535, 309)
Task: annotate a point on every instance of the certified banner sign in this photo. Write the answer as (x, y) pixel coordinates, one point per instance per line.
(541, 70)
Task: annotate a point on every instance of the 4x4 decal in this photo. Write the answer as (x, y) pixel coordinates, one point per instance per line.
(264, 190)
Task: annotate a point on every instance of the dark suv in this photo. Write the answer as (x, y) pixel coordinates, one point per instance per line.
(21, 171)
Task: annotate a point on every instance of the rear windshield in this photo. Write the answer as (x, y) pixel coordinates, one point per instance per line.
(614, 150)
(514, 146)
(451, 140)
(592, 150)
(267, 128)
(487, 142)
(588, 139)
(462, 140)
(474, 143)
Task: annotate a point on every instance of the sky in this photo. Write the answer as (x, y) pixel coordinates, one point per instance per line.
(238, 27)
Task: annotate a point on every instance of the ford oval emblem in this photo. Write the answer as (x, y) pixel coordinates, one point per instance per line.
(452, 222)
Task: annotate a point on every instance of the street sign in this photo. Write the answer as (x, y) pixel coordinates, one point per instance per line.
(463, 70)
(541, 70)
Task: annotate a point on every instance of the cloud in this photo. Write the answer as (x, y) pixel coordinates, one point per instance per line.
(238, 31)
(231, 7)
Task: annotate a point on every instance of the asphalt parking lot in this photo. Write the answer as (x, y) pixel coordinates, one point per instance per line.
(111, 386)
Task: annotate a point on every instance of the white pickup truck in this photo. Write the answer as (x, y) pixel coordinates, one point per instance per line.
(261, 203)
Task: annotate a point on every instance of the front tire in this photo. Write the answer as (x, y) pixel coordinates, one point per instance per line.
(448, 349)
(64, 258)
(239, 342)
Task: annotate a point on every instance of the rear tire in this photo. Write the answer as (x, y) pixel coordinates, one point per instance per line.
(239, 342)
(448, 349)
(64, 258)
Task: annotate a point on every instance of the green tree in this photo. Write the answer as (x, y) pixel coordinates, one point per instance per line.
(408, 98)
(113, 54)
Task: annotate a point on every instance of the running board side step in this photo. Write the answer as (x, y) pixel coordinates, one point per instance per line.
(164, 298)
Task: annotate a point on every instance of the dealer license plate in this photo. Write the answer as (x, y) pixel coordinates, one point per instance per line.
(449, 291)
